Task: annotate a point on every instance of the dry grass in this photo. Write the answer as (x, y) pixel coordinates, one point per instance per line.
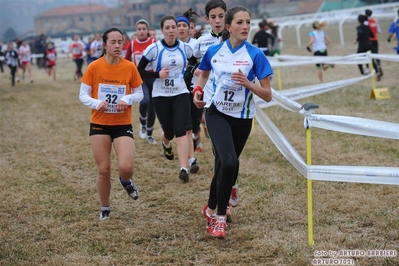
(49, 201)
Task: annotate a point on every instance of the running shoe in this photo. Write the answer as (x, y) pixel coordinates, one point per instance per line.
(199, 147)
(234, 197)
(167, 152)
(228, 215)
(194, 167)
(151, 140)
(143, 132)
(219, 231)
(132, 190)
(210, 220)
(104, 214)
(183, 175)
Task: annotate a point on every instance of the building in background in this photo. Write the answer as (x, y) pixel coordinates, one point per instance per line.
(79, 19)
(87, 19)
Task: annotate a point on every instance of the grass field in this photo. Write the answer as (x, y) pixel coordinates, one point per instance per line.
(50, 206)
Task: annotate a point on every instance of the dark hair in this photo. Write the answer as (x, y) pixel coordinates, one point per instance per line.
(274, 29)
(362, 18)
(212, 4)
(165, 18)
(105, 37)
(228, 18)
(368, 12)
(261, 25)
(191, 15)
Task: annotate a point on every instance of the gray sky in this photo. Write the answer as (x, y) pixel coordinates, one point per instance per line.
(19, 14)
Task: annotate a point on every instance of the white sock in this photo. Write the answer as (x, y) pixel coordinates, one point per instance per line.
(166, 146)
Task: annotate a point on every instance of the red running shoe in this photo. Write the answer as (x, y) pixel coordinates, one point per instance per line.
(220, 227)
(234, 197)
(210, 219)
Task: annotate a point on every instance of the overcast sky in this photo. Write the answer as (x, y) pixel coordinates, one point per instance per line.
(19, 14)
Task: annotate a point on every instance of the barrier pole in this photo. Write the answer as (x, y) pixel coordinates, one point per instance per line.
(280, 86)
(309, 187)
(371, 71)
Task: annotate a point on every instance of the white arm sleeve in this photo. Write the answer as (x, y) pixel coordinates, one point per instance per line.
(85, 96)
(135, 97)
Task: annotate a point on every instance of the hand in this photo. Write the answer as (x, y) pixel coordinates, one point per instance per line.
(121, 106)
(197, 100)
(163, 74)
(102, 107)
(239, 78)
(389, 39)
(308, 48)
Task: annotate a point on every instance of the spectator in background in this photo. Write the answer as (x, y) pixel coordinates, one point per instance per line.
(50, 56)
(26, 56)
(89, 59)
(363, 40)
(40, 47)
(394, 30)
(319, 40)
(277, 39)
(76, 48)
(96, 47)
(375, 29)
(11, 57)
(263, 39)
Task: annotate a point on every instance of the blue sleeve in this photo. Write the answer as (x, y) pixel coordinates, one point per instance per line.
(262, 67)
(205, 63)
(391, 29)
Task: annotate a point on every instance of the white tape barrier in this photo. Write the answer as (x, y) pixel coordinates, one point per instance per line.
(285, 97)
(354, 59)
(358, 174)
(354, 125)
(385, 57)
(282, 144)
(289, 60)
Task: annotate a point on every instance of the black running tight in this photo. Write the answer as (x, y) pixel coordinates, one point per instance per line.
(228, 135)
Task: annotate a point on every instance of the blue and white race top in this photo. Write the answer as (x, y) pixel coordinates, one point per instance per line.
(202, 45)
(175, 59)
(229, 98)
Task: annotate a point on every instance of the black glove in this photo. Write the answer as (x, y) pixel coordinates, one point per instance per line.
(389, 40)
(308, 48)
